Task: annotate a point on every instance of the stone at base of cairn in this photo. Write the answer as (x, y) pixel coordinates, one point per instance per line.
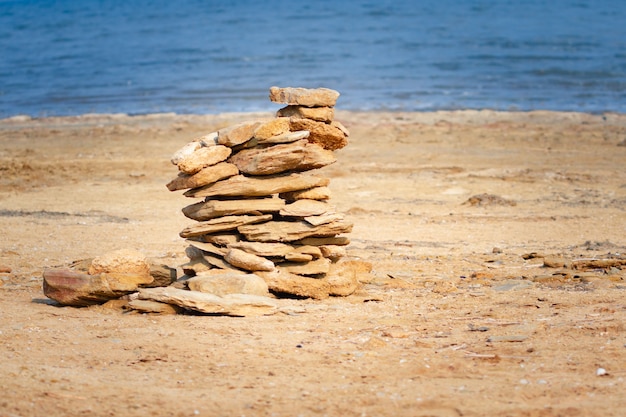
(261, 212)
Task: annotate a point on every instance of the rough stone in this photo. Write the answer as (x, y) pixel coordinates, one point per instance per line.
(265, 249)
(306, 207)
(222, 239)
(320, 241)
(154, 307)
(121, 261)
(284, 138)
(69, 287)
(269, 129)
(320, 114)
(204, 157)
(205, 176)
(282, 282)
(185, 151)
(333, 252)
(323, 219)
(218, 208)
(296, 156)
(240, 185)
(317, 267)
(315, 193)
(309, 97)
(207, 247)
(237, 134)
(248, 261)
(162, 275)
(232, 304)
(283, 231)
(228, 283)
(221, 224)
(328, 136)
(196, 266)
(342, 279)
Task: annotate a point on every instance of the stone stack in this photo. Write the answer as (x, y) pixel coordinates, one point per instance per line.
(262, 214)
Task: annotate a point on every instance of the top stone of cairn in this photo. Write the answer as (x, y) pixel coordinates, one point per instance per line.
(308, 97)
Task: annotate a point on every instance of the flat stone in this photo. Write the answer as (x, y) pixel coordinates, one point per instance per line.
(333, 252)
(162, 275)
(219, 208)
(315, 193)
(342, 279)
(222, 239)
(185, 151)
(310, 97)
(248, 261)
(237, 134)
(222, 224)
(220, 263)
(207, 247)
(320, 241)
(306, 207)
(282, 282)
(205, 176)
(323, 219)
(320, 114)
(265, 249)
(69, 287)
(210, 139)
(228, 283)
(317, 267)
(196, 266)
(240, 185)
(154, 307)
(284, 138)
(274, 127)
(284, 231)
(204, 157)
(121, 261)
(296, 156)
(302, 252)
(328, 136)
(231, 305)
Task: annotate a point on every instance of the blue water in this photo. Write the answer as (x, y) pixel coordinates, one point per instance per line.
(83, 56)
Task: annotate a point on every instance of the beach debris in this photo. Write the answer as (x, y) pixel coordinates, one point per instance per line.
(261, 213)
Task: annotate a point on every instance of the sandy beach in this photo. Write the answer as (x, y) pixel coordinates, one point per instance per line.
(482, 228)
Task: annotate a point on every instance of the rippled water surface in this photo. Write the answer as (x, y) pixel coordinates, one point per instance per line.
(80, 56)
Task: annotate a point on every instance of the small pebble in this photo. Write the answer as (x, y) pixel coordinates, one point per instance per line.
(601, 372)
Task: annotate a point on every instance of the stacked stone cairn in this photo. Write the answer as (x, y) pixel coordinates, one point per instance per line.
(261, 213)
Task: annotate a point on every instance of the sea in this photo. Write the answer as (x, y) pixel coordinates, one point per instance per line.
(71, 57)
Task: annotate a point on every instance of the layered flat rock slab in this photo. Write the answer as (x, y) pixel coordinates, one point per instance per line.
(205, 176)
(219, 208)
(309, 97)
(283, 138)
(266, 249)
(154, 307)
(296, 156)
(282, 282)
(272, 128)
(204, 157)
(317, 267)
(73, 288)
(222, 224)
(306, 207)
(237, 134)
(248, 261)
(225, 283)
(315, 193)
(231, 305)
(284, 231)
(320, 114)
(329, 136)
(240, 185)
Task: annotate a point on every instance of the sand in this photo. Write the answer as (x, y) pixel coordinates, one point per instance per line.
(456, 212)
